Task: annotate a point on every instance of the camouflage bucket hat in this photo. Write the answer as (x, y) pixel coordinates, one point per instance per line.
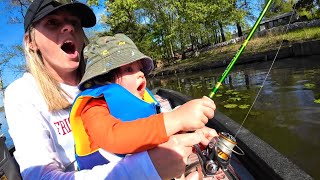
(110, 52)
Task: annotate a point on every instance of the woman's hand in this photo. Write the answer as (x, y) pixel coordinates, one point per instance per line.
(206, 134)
(170, 158)
(195, 175)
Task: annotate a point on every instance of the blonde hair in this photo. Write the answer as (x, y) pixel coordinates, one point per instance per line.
(55, 97)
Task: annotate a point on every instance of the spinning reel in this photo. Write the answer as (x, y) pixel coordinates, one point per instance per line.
(217, 155)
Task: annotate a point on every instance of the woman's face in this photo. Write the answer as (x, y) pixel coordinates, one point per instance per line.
(132, 78)
(60, 38)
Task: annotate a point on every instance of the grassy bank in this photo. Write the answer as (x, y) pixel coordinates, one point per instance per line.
(255, 46)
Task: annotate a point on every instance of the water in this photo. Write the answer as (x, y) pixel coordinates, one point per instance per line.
(285, 114)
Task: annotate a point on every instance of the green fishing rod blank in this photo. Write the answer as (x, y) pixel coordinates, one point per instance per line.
(242, 47)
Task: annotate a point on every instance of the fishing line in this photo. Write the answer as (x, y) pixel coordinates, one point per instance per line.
(265, 79)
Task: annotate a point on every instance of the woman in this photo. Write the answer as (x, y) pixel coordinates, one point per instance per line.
(37, 105)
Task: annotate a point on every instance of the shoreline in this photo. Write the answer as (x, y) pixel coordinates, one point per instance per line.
(306, 48)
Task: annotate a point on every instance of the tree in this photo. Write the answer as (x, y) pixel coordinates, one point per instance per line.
(279, 7)
(243, 6)
(309, 8)
(7, 55)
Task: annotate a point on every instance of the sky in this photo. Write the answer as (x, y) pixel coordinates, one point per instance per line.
(9, 33)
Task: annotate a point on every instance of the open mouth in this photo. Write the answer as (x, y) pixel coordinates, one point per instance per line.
(141, 88)
(68, 47)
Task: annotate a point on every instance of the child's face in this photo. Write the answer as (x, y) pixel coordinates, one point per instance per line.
(132, 78)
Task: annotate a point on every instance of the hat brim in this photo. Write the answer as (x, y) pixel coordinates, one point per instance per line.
(114, 61)
(85, 13)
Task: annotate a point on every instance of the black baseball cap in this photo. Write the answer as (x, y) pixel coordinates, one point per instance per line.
(40, 8)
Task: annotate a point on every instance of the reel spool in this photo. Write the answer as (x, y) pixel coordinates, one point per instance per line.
(225, 145)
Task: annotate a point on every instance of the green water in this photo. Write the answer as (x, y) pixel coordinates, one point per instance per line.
(286, 113)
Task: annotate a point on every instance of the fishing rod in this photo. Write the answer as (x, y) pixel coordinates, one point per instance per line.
(218, 153)
(239, 52)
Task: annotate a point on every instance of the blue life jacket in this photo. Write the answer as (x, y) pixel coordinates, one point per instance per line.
(122, 105)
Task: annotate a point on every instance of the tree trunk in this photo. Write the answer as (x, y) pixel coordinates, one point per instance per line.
(239, 29)
(171, 49)
(215, 37)
(222, 32)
